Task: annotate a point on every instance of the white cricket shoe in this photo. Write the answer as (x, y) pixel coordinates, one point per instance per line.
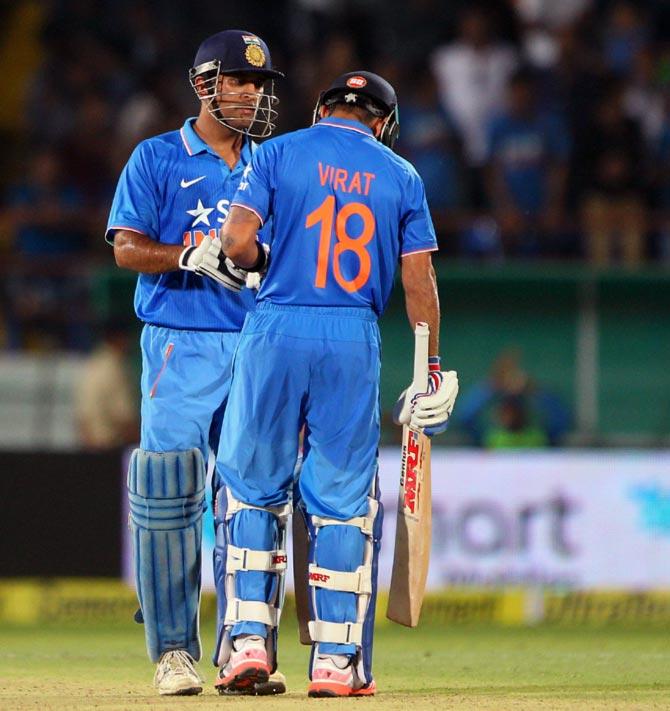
(176, 674)
(335, 675)
(247, 666)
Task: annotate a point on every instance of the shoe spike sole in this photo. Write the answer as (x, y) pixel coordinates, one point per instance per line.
(244, 682)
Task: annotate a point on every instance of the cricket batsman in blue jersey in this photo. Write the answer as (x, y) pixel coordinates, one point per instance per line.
(345, 211)
(171, 199)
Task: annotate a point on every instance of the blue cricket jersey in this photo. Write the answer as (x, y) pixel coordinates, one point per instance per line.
(344, 208)
(176, 189)
(525, 149)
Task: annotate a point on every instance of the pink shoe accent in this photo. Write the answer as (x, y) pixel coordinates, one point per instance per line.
(329, 682)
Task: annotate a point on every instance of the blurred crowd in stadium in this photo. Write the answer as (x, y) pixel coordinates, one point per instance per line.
(541, 128)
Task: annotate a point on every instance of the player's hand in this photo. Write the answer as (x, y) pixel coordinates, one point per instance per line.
(207, 259)
(429, 409)
(402, 410)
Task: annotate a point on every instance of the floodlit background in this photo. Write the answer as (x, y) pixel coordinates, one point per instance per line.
(542, 131)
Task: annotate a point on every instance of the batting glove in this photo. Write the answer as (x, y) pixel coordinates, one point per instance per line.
(431, 411)
(428, 411)
(207, 259)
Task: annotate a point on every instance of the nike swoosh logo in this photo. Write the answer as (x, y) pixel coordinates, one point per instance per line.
(188, 183)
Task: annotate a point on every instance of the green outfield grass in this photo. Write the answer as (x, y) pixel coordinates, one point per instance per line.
(474, 667)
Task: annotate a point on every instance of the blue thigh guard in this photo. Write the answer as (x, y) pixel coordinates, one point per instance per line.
(167, 499)
(342, 577)
(249, 567)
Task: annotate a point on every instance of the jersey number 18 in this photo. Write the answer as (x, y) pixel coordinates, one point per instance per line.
(325, 214)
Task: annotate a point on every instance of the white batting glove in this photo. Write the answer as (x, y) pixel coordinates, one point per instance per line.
(207, 259)
(431, 411)
(402, 410)
(428, 410)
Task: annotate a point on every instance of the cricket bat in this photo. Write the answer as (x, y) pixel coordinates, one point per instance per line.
(300, 568)
(413, 525)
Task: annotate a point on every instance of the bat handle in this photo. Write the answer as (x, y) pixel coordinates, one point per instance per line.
(421, 334)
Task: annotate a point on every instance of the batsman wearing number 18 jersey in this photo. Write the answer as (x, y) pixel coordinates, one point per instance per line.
(345, 211)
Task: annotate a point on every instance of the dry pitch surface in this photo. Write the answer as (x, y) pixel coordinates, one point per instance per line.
(432, 667)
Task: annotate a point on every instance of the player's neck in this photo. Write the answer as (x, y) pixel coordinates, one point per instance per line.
(341, 112)
(338, 112)
(222, 140)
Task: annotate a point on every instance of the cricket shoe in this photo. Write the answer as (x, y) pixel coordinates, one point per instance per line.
(176, 674)
(247, 666)
(276, 684)
(335, 675)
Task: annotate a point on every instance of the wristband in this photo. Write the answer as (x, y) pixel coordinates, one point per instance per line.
(434, 374)
(261, 260)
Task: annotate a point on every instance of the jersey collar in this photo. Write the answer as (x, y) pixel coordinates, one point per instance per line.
(194, 145)
(349, 124)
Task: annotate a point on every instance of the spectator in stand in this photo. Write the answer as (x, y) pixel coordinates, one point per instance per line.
(429, 141)
(644, 99)
(541, 21)
(528, 152)
(43, 209)
(472, 74)
(610, 158)
(573, 83)
(625, 35)
(106, 409)
(660, 161)
(509, 409)
(87, 152)
(42, 215)
(513, 428)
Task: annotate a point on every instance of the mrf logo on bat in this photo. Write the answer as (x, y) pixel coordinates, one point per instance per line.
(412, 465)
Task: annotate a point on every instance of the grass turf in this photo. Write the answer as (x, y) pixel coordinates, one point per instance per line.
(432, 667)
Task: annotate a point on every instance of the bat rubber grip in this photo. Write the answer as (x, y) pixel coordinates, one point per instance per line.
(421, 335)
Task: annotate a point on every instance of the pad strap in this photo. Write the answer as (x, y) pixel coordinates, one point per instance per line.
(336, 632)
(365, 523)
(358, 581)
(249, 559)
(282, 511)
(250, 611)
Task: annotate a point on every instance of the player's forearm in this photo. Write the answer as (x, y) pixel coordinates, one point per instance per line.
(238, 237)
(421, 297)
(243, 253)
(140, 253)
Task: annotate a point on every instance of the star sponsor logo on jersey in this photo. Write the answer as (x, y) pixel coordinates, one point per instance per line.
(357, 82)
(202, 216)
(187, 183)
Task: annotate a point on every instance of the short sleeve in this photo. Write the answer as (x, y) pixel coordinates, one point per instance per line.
(136, 204)
(417, 233)
(256, 187)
